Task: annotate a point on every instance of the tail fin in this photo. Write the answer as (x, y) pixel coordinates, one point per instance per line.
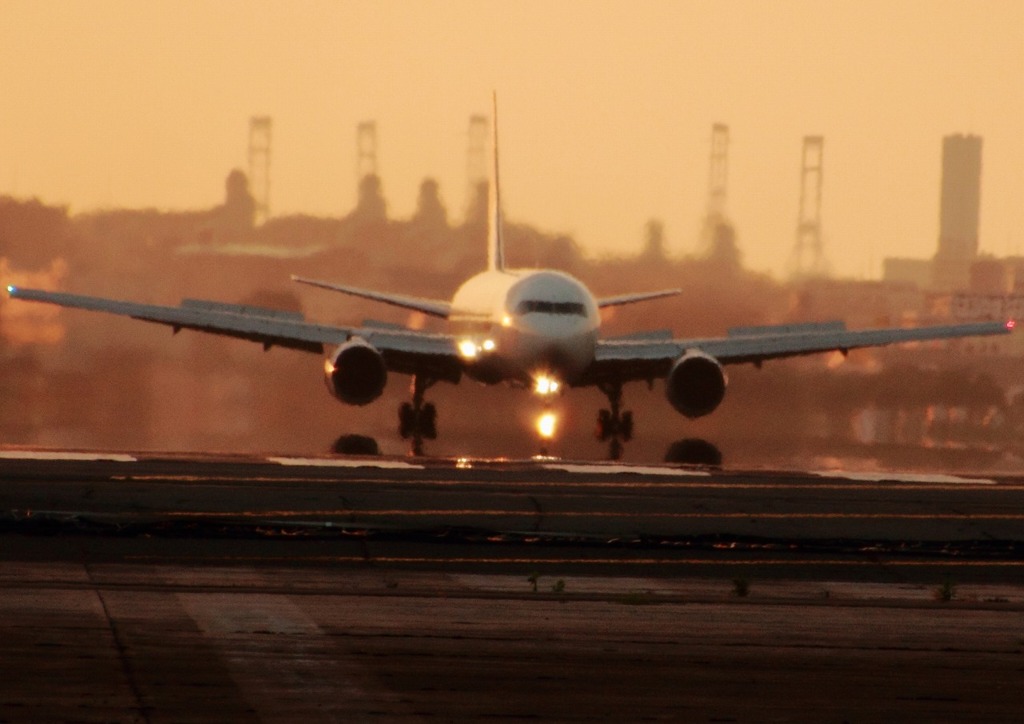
(495, 239)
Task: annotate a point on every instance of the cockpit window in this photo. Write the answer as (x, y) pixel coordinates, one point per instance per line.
(529, 306)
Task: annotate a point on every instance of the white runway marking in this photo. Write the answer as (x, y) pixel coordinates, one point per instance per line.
(71, 456)
(939, 478)
(279, 657)
(620, 469)
(334, 463)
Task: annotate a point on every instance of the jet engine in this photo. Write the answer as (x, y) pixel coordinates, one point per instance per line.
(696, 384)
(356, 373)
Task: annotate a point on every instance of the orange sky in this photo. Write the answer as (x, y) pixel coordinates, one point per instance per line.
(606, 109)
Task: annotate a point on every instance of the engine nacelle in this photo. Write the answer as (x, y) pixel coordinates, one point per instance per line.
(696, 384)
(356, 373)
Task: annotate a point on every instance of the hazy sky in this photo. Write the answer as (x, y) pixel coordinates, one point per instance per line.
(606, 109)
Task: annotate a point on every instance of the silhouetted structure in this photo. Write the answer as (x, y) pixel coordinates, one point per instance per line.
(366, 150)
(654, 243)
(808, 259)
(431, 217)
(959, 211)
(476, 161)
(259, 165)
(239, 210)
(718, 177)
(371, 207)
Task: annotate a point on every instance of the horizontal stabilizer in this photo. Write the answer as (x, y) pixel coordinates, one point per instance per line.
(632, 298)
(433, 307)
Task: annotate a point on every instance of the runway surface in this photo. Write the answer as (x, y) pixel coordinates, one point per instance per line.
(495, 516)
(170, 588)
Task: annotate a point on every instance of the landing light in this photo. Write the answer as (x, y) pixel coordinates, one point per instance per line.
(546, 425)
(544, 385)
(488, 345)
(468, 349)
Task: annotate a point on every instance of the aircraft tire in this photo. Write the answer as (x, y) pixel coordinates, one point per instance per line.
(428, 421)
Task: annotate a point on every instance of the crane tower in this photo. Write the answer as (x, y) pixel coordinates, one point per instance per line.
(718, 177)
(808, 257)
(366, 150)
(259, 165)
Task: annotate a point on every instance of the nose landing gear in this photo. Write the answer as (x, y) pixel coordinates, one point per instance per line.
(418, 421)
(614, 426)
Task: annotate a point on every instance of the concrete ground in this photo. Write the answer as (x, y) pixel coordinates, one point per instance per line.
(150, 641)
(175, 590)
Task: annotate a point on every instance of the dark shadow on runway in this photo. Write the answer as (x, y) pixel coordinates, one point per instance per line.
(355, 445)
(694, 451)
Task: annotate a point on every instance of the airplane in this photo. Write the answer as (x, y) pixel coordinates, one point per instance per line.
(537, 328)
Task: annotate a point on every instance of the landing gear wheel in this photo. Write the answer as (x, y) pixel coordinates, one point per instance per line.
(604, 425)
(608, 427)
(626, 426)
(614, 426)
(416, 420)
(428, 421)
(406, 420)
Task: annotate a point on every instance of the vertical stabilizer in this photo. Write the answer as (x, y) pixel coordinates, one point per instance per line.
(495, 240)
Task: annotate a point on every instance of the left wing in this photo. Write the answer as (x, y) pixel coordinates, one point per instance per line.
(433, 307)
(404, 351)
(641, 359)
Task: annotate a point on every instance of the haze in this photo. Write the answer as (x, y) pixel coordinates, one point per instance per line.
(606, 110)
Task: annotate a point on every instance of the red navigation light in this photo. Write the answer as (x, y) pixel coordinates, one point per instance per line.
(1011, 323)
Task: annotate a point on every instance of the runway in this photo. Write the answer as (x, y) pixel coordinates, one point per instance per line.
(154, 587)
(497, 516)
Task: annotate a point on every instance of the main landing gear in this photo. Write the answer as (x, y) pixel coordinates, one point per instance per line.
(418, 421)
(614, 425)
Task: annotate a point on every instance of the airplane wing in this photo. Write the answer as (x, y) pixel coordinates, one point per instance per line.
(404, 351)
(637, 297)
(433, 307)
(645, 359)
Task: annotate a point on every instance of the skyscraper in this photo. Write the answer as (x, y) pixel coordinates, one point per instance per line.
(959, 210)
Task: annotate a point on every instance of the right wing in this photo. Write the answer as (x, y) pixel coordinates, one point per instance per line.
(404, 351)
(635, 297)
(641, 358)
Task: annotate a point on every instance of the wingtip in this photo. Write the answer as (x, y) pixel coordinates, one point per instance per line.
(1010, 324)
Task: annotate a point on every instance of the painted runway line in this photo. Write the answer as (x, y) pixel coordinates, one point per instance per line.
(882, 477)
(624, 469)
(338, 463)
(66, 456)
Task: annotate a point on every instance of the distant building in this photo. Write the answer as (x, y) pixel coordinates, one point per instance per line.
(959, 221)
(959, 211)
(901, 270)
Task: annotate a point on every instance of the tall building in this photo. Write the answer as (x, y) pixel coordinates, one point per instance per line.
(959, 211)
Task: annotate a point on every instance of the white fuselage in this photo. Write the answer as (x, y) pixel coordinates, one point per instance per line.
(521, 325)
